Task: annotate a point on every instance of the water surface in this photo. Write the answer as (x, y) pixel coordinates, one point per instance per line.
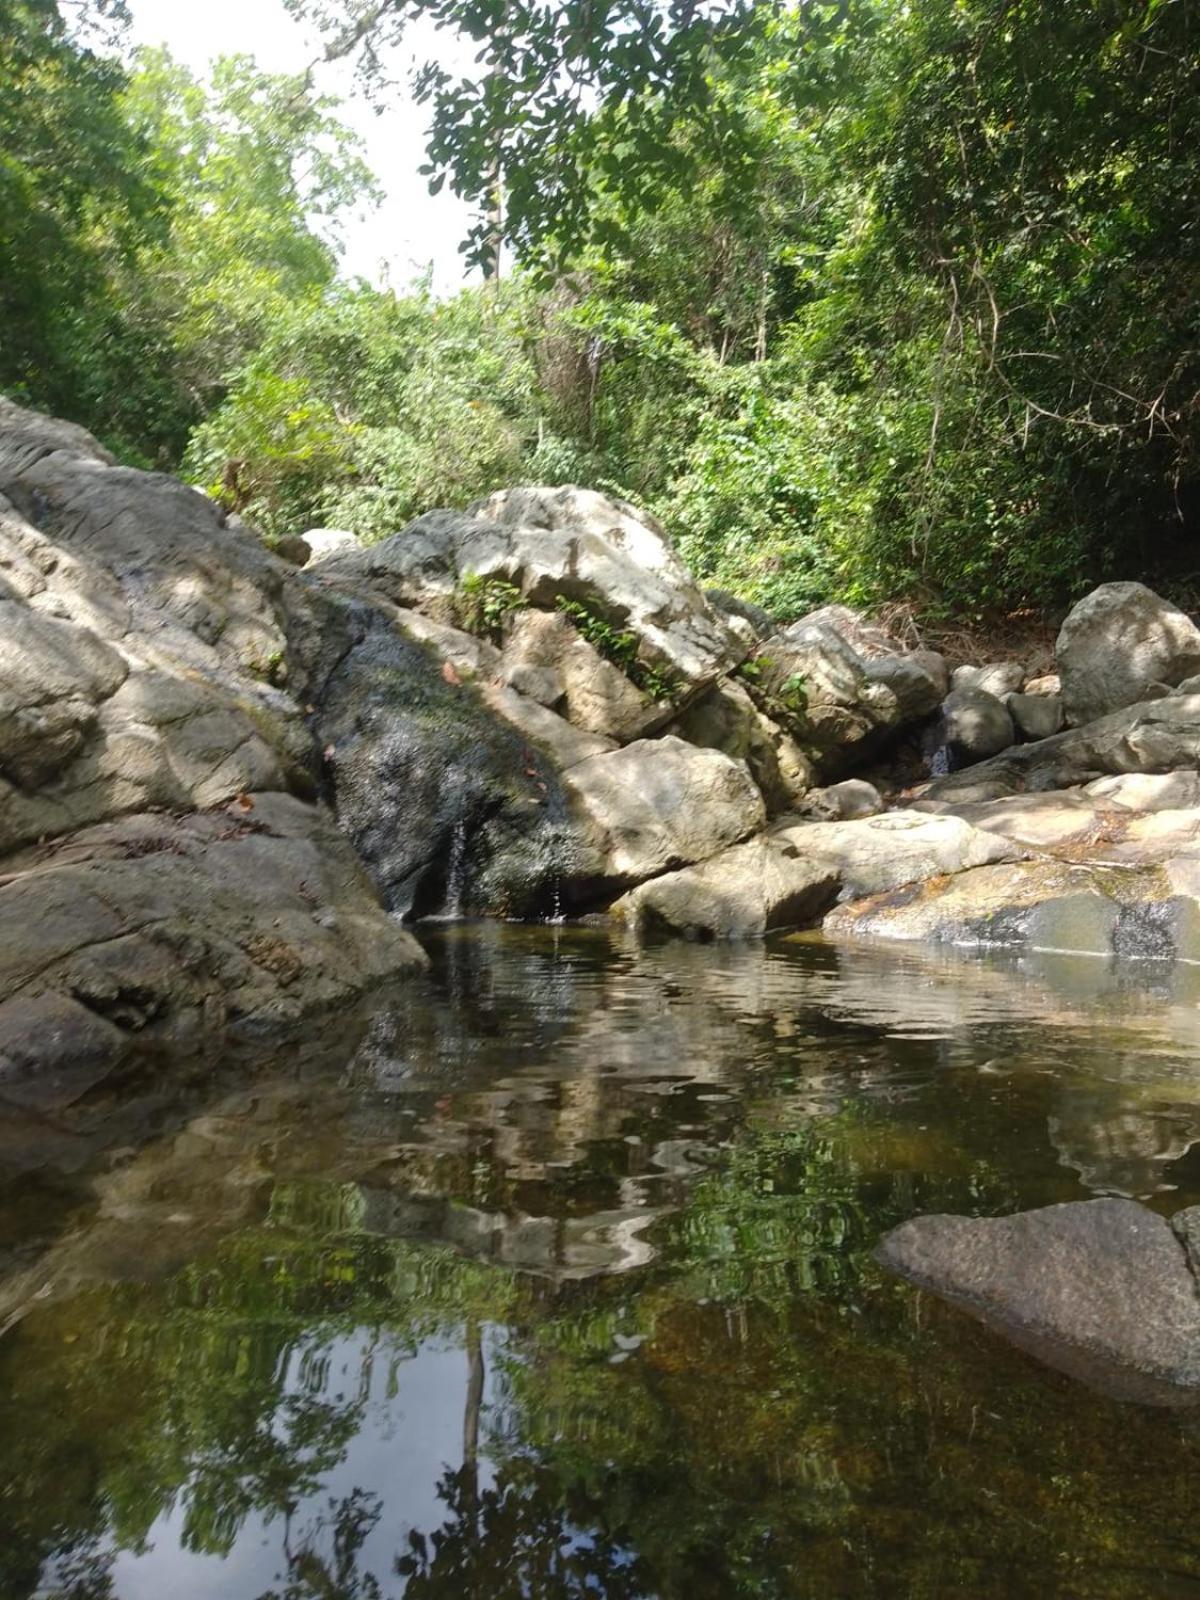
(550, 1276)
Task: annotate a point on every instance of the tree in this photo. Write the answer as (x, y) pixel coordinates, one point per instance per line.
(74, 200)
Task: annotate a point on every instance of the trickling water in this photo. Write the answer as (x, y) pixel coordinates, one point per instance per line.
(456, 873)
(939, 761)
(557, 915)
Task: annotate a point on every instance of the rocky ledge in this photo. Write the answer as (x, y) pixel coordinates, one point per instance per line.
(228, 782)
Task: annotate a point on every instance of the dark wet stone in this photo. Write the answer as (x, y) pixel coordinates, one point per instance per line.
(53, 1050)
(1100, 1289)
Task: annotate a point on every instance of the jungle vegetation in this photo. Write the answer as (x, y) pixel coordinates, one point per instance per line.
(864, 300)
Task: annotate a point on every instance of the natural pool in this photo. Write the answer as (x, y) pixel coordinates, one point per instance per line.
(551, 1276)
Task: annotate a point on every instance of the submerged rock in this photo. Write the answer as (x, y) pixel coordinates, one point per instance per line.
(1101, 1289)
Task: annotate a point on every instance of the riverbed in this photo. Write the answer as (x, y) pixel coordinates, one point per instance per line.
(550, 1275)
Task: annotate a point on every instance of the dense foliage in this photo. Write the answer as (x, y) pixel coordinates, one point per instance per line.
(863, 300)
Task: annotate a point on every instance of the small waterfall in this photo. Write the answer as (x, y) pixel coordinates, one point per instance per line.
(557, 915)
(456, 873)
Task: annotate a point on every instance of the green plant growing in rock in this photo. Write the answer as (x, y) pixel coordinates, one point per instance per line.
(787, 701)
(484, 604)
(621, 648)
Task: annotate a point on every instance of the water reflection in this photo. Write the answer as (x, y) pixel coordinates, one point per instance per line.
(551, 1277)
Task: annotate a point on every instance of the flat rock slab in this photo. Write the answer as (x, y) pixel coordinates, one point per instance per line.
(1099, 1289)
(873, 854)
(1136, 912)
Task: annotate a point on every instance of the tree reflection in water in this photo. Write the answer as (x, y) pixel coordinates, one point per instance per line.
(582, 1304)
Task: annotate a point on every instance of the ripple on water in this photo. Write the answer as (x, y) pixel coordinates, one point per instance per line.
(550, 1276)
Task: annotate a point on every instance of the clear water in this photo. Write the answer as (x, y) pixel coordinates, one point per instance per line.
(551, 1276)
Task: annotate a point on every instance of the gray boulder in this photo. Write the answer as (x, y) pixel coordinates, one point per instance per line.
(1035, 716)
(837, 701)
(651, 807)
(555, 545)
(1101, 1289)
(869, 640)
(975, 724)
(847, 801)
(727, 718)
(894, 849)
(596, 696)
(1138, 901)
(241, 919)
(997, 678)
(1116, 643)
(755, 888)
(1156, 736)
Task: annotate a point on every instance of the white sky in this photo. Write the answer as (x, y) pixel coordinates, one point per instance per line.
(412, 228)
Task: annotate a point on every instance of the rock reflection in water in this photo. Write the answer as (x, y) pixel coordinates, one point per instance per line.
(552, 1277)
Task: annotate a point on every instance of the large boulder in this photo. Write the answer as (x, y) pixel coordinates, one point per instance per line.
(1139, 908)
(1101, 1289)
(997, 678)
(727, 718)
(165, 870)
(755, 888)
(896, 848)
(553, 546)
(156, 928)
(839, 702)
(1035, 716)
(1117, 643)
(546, 657)
(651, 807)
(975, 725)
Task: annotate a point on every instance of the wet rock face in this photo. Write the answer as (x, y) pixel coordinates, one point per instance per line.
(451, 808)
(1102, 1289)
(1116, 644)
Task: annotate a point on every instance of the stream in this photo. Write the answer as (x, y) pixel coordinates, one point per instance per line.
(550, 1275)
